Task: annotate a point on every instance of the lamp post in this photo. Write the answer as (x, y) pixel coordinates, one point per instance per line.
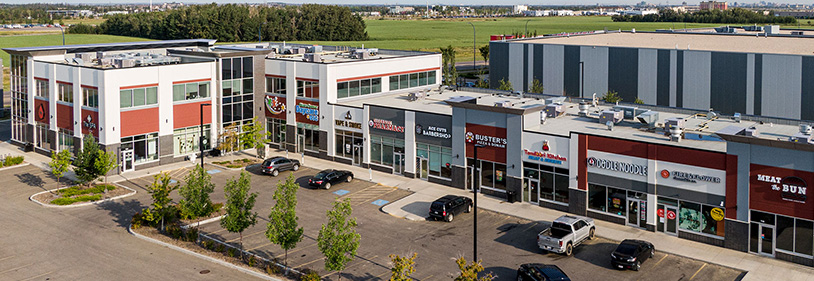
(202, 138)
(475, 188)
(63, 34)
(582, 79)
(526, 29)
(259, 35)
(474, 46)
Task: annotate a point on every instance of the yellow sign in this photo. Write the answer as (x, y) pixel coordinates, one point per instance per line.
(717, 214)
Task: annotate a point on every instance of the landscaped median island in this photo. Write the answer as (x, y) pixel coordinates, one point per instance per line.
(80, 193)
(238, 163)
(9, 161)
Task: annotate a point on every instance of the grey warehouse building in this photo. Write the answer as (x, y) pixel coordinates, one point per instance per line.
(750, 74)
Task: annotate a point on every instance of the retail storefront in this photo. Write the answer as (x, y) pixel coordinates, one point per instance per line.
(491, 156)
(433, 142)
(348, 135)
(545, 170)
(307, 112)
(275, 119)
(386, 127)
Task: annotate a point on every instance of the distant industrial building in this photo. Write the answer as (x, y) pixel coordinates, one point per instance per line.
(71, 13)
(712, 5)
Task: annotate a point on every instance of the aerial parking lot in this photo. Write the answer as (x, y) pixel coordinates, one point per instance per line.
(504, 242)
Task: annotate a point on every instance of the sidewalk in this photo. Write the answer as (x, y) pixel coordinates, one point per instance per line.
(415, 206)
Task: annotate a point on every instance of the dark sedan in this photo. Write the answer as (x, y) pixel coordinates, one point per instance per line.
(275, 165)
(540, 272)
(448, 206)
(631, 254)
(326, 178)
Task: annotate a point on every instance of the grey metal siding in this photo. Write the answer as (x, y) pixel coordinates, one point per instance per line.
(781, 86)
(517, 60)
(498, 63)
(750, 84)
(696, 80)
(596, 69)
(648, 68)
(623, 72)
(758, 83)
(537, 64)
(552, 69)
(663, 78)
(728, 83)
(807, 91)
(571, 71)
(679, 79)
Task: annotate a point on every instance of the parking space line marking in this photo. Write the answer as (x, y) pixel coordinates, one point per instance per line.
(352, 265)
(2, 259)
(244, 236)
(295, 250)
(16, 268)
(262, 245)
(699, 270)
(310, 262)
(662, 258)
(38, 276)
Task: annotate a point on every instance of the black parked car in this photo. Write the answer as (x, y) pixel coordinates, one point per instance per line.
(448, 206)
(275, 165)
(329, 177)
(631, 254)
(540, 272)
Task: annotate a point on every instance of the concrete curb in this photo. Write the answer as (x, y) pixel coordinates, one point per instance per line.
(205, 257)
(226, 168)
(81, 204)
(15, 166)
(203, 222)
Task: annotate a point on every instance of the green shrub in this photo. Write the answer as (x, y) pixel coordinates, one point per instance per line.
(246, 160)
(234, 166)
(78, 190)
(310, 276)
(272, 269)
(231, 252)
(137, 221)
(191, 234)
(70, 200)
(174, 231)
(11, 161)
(207, 244)
(221, 162)
(219, 248)
(252, 261)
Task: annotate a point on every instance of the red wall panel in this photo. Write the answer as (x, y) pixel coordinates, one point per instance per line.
(305, 112)
(141, 121)
(731, 200)
(189, 114)
(582, 156)
(275, 107)
(65, 116)
(42, 112)
(778, 190)
(495, 137)
(90, 122)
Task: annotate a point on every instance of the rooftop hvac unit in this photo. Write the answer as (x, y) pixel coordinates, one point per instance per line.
(543, 116)
(583, 108)
(312, 57)
(648, 118)
(274, 48)
(753, 28)
(373, 51)
(610, 115)
(674, 122)
(315, 49)
(297, 51)
(360, 54)
(798, 33)
(724, 29)
(287, 50)
(751, 132)
(504, 103)
(100, 55)
(805, 129)
(122, 63)
(415, 96)
(84, 56)
(554, 110)
(559, 100)
(629, 111)
(803, 138)
(772, 29)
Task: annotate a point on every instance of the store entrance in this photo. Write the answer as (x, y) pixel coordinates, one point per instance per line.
(668, 219)
(357, 155)
(300, 143)
(398, 163)
(637, 212)
(531, 189)
(127, 161)
(423, 167)
(763, 236)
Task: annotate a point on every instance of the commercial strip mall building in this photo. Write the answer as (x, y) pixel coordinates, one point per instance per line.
(698, 175)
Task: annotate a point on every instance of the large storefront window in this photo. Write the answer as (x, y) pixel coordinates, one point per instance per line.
(308, 136)
(276, 130)
(190, 91)
(383, 150)
(185, 140)
(405, 81)
(552, 181)
(19, 97)
(358, 87)
(275, 85)
(794, 236)
(696, 217)
(348, 144)
(65, 140)
(237, 91)
(145, 147)
(438, 159)
(611, 200)
(41, 135)
(492, 175)
(138, 97)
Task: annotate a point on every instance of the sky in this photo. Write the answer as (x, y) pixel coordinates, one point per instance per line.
(393, 2)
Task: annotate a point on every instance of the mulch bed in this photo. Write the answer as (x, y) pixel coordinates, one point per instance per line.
(239, 163)
(47, 197)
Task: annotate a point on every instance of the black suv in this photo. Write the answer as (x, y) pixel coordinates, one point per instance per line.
(275, 165)
(448, 206)
(540, 272)
(631, 254)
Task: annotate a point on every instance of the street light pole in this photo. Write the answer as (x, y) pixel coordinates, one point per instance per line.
(202, 138)
(475, 188)
(474, 47)
(63, 34)
(527, 28)
(582, 79)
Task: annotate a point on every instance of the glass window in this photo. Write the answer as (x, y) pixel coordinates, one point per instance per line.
(42, 88)
(413, 80)
(803, 241)
(353, 90)
(342, 90)
(90, 97)
(227, 88)
(446, 163)
(152, 95)
(422, 78)
(785, 233)
(365, 86)
(394, 82)
(487, 172)
(762, 217)
(404, 81)
(191, 91)
(616, 201)
(248, 86)
(65, 92)
(248, 67)
(237, 68)
(376, 153)
(431, 77)
(561, 188)
(387, 154)
(500, 176)
(138, 97)
(178, 92)
(376, 85)
(226, 69)
(203, 89)
(597, 197)
(236, 86)
(547, 186)
(125, 98)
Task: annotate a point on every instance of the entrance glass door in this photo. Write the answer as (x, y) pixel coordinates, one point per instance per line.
(398, 163)
(533, 190)
(637, 212)
(127, 161)
(762, 239)
(667, 218)
(423, 167)
(357, 155)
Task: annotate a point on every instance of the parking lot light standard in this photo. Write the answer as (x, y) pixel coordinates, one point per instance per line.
(202, 139)
(475, 201)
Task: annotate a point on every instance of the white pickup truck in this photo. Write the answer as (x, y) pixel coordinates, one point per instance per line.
(565, 233)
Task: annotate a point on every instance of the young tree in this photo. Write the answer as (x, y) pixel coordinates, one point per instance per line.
(338, 240)
(254, 135)
(484, 52)
(195, 193)
(402, 267)
(283, 226)
(536, 86)
(470, 272)
(239, 205)
(60, 162)
(448, 65)
(612, 97)
(229, 138)
(105, 161)
(505, 85)
(85, 161)
(160, 192)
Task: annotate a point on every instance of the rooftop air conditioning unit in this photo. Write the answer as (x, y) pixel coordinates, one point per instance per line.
(84, 56)
(312, 57)
(610, 115)
(373, 51)
(559, 100)
(797, 33)
(315, 49)
(122, 63)
(805, 129)
(298, 51)
(803, 138)
(583, 108)
(504, 103)
(751, 132)
(629, 111)
(100, 55)
(554, 110)
(676, 128)
(648, 118)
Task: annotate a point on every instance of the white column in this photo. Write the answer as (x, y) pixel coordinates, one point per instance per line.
(409, 142)
(77, 101)
(52, 96)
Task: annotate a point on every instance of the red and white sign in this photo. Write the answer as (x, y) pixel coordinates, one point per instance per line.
(493, 139)
(671, 215)
(780, 191)
(660, 213)
(386, 125)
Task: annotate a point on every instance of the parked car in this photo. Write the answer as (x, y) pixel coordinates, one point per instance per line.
(631, 254)
(326, 178)
(540, 272)
(275, 165)
(448, 206)
(565, 233)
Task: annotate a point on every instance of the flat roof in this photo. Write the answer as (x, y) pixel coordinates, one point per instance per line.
(684, 41)
(699, 132)
(102, 47)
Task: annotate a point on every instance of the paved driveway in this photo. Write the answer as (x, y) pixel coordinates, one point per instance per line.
(85, 243)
